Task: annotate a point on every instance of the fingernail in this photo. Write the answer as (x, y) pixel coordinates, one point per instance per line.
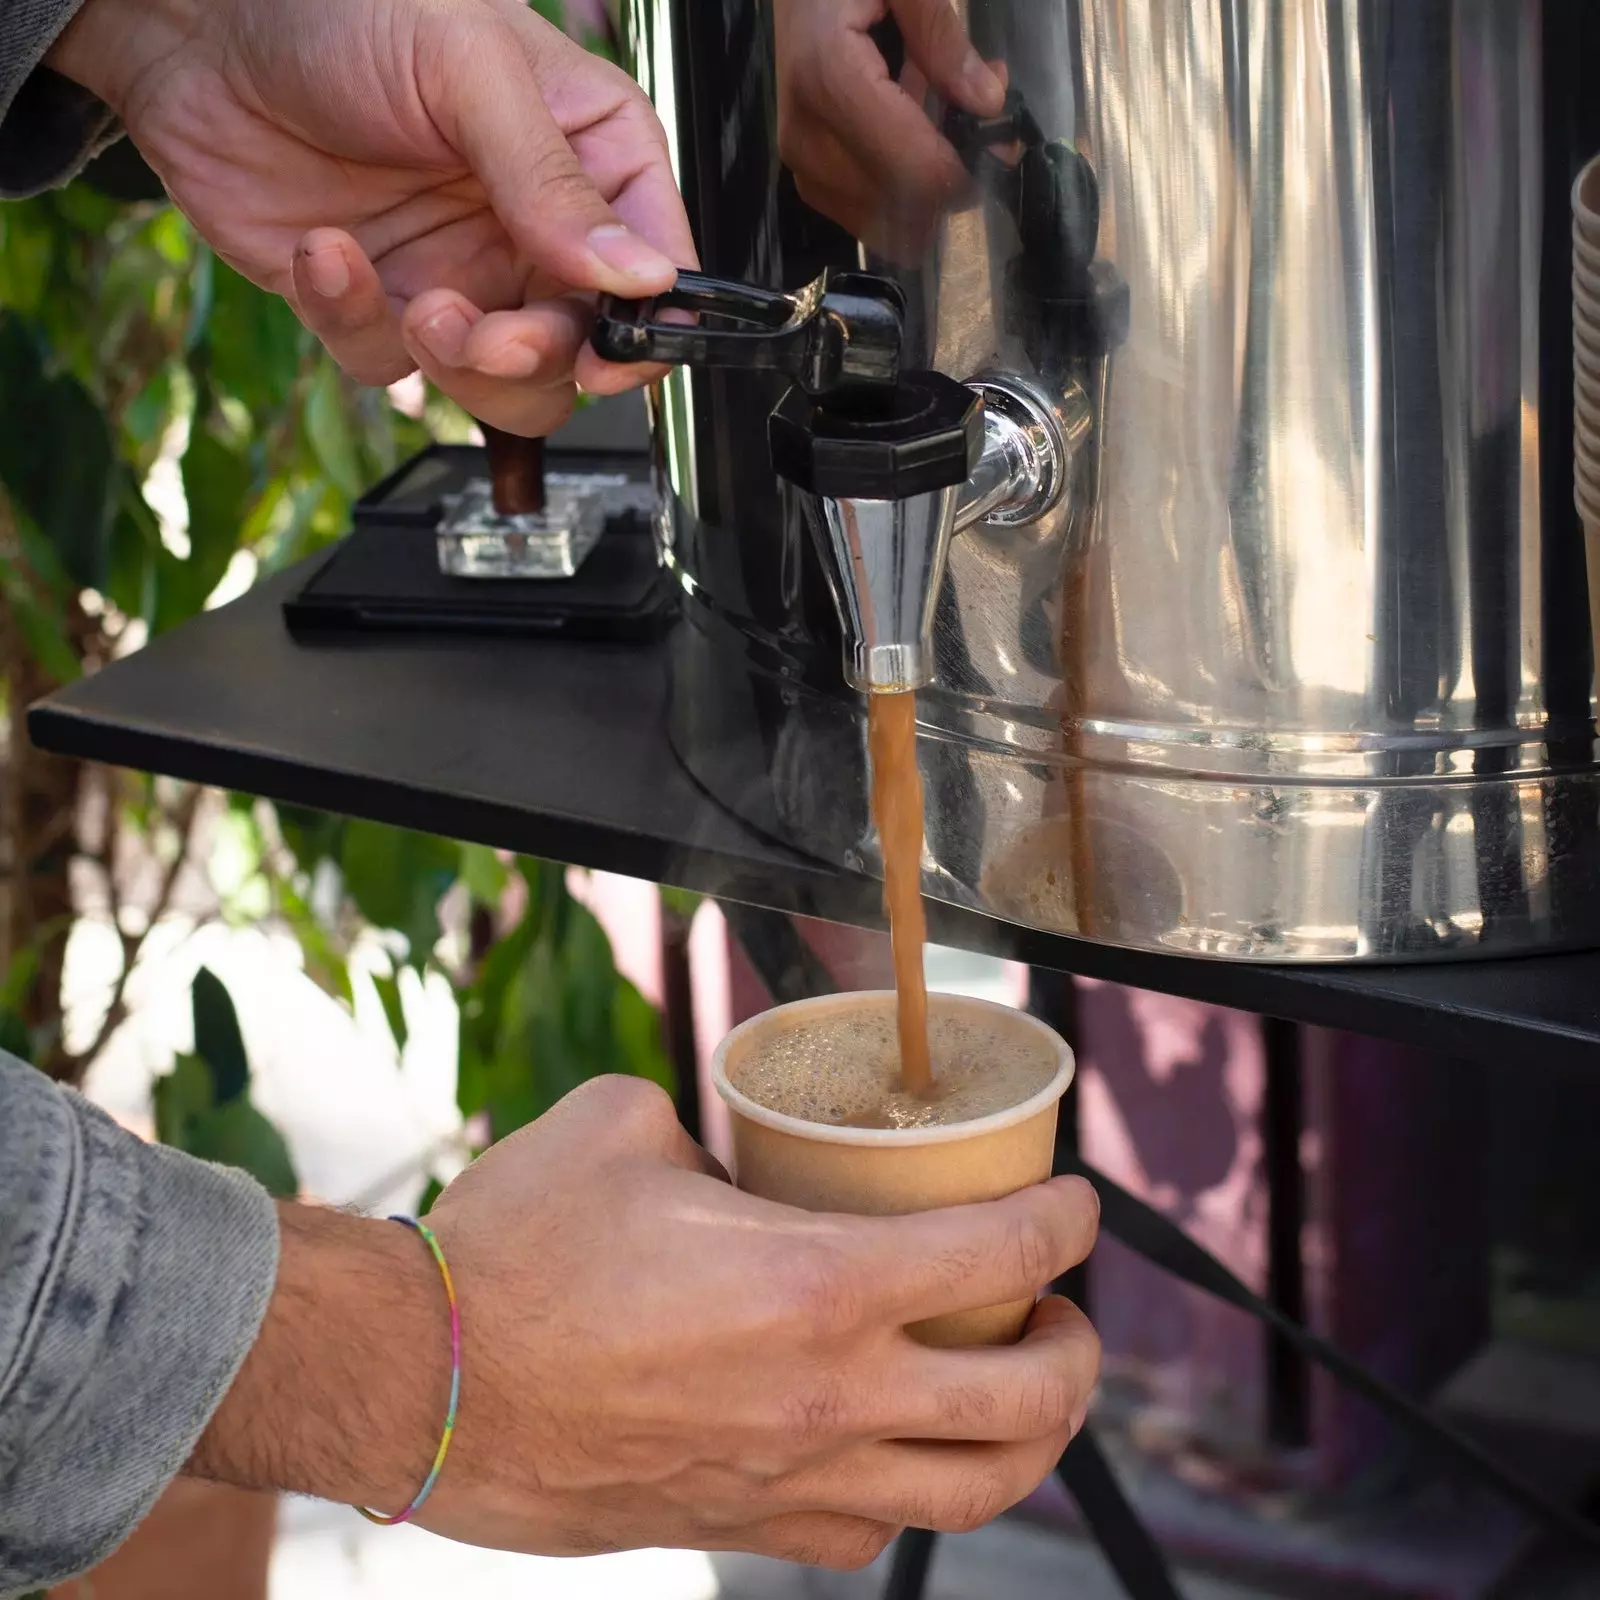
(621, 250)
(1079, 1417)
(444, 335)
(980, 82)
(329, 272)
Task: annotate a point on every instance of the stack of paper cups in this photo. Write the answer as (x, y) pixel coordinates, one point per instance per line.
(1586, 369)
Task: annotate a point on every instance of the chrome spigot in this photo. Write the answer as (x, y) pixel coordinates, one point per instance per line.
(886, 568)
(884, 485)
(891, 463)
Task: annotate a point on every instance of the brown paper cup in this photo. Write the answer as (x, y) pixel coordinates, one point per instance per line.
(1587, 484)
(875, 1172)
(1586, 205)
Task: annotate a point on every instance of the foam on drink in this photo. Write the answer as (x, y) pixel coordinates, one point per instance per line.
(843, 1069)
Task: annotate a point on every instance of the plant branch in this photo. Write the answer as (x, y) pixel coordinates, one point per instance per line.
(132, 948)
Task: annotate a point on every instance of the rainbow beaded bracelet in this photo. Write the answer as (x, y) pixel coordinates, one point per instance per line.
(455, 1382)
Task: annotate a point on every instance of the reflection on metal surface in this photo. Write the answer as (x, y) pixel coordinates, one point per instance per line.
(1296, 668)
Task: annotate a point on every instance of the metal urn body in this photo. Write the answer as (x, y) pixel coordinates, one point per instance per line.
(1297, 667)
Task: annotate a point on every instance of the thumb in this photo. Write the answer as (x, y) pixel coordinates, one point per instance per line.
(936, 39)
(536, 184)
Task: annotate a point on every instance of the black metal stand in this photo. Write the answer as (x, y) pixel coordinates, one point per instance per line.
(911, 1563)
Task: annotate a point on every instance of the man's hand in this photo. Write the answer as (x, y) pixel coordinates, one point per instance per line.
(861, 147)
(425, 181)
(653, 1358)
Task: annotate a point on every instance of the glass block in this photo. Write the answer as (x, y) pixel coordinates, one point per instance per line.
(476, 541)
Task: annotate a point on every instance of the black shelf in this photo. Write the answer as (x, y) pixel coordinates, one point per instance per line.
(559, 750)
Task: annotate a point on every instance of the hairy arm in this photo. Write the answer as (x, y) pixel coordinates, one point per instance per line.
(343, 1394)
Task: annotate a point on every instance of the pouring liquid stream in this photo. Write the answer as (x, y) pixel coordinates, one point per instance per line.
(897, 810)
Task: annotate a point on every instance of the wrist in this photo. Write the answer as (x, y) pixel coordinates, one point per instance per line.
(111, 44)
(344, 1394)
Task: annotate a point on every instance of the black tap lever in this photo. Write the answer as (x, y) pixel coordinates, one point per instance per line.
(838, 338)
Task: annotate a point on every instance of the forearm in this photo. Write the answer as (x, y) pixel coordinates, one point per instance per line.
(132, 1282)
(344, 1392)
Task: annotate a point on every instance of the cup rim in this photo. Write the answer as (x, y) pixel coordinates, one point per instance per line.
(896, 1138)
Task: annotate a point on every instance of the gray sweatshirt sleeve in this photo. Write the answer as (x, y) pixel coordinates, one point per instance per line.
(49, 126)
(133, 1281)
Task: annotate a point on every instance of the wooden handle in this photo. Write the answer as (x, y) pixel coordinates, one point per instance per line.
(516, 470)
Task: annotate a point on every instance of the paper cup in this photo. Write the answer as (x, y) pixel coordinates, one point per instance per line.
(1588, 478)
(1586, 297)
(1585, 361)
(1586, 205)
(874, 1172)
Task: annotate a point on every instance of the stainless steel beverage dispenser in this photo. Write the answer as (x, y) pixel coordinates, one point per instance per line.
(1281, 653)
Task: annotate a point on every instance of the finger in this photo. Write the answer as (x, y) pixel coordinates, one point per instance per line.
(537, 344)
(339, 297)
(936, 39)
(596, 376)
(618, 1113)
(812, 1539)
(539, 190)
(642, 191)
(950, 1488)
(832, 182)
(884, 128)
(528, 392)
(1035, 1389)
(933, 1262)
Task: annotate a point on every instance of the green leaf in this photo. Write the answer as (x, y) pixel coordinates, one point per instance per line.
(237, 1135)
(389, 993)
(680, 903)
(202, 291)
(484, 874)
(310, 836)
(640, 1050)
(18, 979)
(217, 480)
(326, 965)
(55, 454)
(430, 1197)
(16, 1038)
(254, 345)
(146, 417)
(27, 257)
(42, 624)
(217, 1039)
(327, 421)
(181, 1096)
(397, 880)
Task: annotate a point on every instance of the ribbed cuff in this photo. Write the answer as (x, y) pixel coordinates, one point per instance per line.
(156, 1289)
